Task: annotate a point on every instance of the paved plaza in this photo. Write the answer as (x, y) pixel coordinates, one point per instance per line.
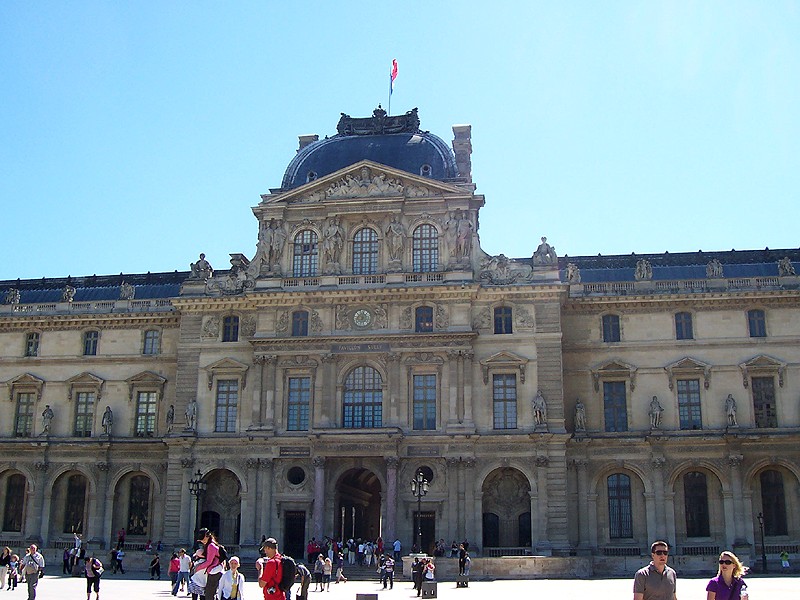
(114, 587)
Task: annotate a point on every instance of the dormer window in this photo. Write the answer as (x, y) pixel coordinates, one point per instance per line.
(425, 170)
(311, 176)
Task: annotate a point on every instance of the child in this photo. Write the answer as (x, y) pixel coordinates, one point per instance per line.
(13, 572)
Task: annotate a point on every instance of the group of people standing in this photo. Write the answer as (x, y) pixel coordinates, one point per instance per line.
(27, 569)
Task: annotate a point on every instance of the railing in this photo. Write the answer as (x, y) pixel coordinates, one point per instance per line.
(700, 550)
(104, 306)
(301, 282)
(424, 277)
(675, 286)
(778, 548)
(362, 279)
(511, 551)
(621, 551)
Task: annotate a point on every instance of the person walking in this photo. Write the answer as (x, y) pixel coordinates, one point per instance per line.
(173, 569)
(13, 572)
(211, 564)
(120, 557)
(340, 568)
(388, 571)
(5, 561)
(728, 584)
(327, 571)
(784, 560)
(271, 571)
(184, 569)
(32, 563)
(93, 569)
(319, 568)
(231, 584)
(155, 567)
(656, 581)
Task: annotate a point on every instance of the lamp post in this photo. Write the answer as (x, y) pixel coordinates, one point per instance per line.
(760, 518)
(197, 487)
(419, 487)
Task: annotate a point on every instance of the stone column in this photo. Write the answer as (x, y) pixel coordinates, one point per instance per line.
(390, 526)
(267, 408)
(258, 398)
(453, 469)
(583, 502)
(542, 511)
(452, 386)
(473, 528)
(247, 529)
(468, 387)
(734, 507)
(395, 391)
(319, 496)
(658, 462)
(325, 403)
(104, 502)
(38, 516)
(266, 510)
(591, 502)
(650, 512)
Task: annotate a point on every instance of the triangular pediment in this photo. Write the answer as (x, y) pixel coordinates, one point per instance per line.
(145, 378)
(616, 369)
(613, 366)
(87, 379)
(227, 364)
(365, 179)
(762, 361)
(26, 379)
(762, 365)
(504, 358)
(688, 364)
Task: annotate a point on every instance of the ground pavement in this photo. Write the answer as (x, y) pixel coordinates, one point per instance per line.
(135, 586)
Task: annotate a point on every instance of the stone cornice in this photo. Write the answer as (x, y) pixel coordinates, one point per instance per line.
(648, 303)
(429, 341)
(100, 321)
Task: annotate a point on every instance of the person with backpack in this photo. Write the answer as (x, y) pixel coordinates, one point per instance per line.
(271, 576)
(93, 569)
(212, 564)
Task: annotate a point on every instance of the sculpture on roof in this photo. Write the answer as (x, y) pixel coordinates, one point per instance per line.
(573, 273)
(458, 233)
(201, 269)
(68, 293)
(644, 270)
(126, 291)
(714, 269)
(269, 249)
(379, 123)
(12, 296)
(500, 270)
(785, 267)
(545, 254)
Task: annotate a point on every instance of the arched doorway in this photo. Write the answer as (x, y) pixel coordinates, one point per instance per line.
(221, 506)
(506, 509)
(358, 505)
(69, 506)
(133, 502)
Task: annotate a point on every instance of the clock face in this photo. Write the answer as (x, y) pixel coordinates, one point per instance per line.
(362, 317)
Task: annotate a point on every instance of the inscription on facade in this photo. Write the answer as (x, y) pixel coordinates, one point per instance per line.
(295, 451)
(344, 348)
(423, 451)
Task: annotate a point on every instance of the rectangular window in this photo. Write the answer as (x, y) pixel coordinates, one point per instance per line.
(615, 406)
(611, 331)
(32, 344)
(689, 404)
(423, 319)
(620, 519)
(90, 339)
(764, 402)
(230, 329)
(146, 404)
(425, 402)
(683, 326)
(151, 341)
(502, 319)
(298, 403)
(227, 401)
(300, 323)
(504, 395)
(84, 414)
(757, 323)
(23, 419)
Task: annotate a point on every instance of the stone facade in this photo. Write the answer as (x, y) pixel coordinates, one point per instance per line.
(558, 406)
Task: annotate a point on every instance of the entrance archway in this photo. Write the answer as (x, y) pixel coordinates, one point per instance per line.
(506, 509)
(358, 505)
(221, 505)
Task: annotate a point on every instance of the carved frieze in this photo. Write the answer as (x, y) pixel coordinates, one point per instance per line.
(210, 329)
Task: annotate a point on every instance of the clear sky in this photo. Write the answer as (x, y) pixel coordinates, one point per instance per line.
(137, 134)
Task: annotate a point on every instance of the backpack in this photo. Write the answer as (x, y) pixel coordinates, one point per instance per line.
(222, 554)
(288, 573)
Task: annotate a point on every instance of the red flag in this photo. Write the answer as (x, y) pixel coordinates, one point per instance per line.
(393, 75)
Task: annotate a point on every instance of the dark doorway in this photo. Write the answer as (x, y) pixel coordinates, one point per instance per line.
(358, 505)
(491, 530)
(428, 524)
(294, 528)
(210, 520)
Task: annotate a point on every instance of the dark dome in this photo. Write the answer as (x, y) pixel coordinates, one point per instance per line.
(404, 147)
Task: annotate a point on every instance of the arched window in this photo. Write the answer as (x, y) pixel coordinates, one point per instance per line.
(423, 319)
(773, 503)
(620, 522)
(15, 503)
(138, 505)
(695, 497)
(363, 399)
(305, 258)
(425, 249)
(365, 252)
(75, 505)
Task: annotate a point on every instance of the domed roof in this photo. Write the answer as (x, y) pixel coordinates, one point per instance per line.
(392, 141)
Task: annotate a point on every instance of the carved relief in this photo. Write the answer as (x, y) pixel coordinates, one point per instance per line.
(365, 185)
(248, 326)
(211, 327)
(407, 318)
(315, 322)
(483, 320)
(500, 270)
(524, 319)
(282, 324)
(441, 320)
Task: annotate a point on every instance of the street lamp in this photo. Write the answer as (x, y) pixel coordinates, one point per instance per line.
(197, 487)
(419, 487)
(760, 518)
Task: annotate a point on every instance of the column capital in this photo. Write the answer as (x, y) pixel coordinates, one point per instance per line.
(318, 462)
(392, 462)
(735, 460)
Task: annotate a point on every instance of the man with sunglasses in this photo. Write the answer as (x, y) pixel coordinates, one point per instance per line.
(656, 581)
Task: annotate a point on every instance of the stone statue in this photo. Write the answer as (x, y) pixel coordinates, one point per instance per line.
(12, 296)
(170, 417)
(644, 270)
(655, 413)
(395, 238)
(332, 240)
(201, 269)
(785, 267)
(730, 411)
(126, 291)
(580, 416)
(68, 293)
(714, 269)
(539, 409)
(573, 273)
(47, 419)
(191, 415)
(463, 235)
(277, 242)
(545, 254)
(108, 420)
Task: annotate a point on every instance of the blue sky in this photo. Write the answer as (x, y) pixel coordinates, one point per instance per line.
(138, 134)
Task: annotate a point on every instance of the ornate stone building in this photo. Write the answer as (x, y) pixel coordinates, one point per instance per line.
(558, 406)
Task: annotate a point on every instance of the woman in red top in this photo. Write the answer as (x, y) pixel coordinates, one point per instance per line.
(174, 569)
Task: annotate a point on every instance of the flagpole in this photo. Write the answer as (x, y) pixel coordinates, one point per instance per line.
(389, 111)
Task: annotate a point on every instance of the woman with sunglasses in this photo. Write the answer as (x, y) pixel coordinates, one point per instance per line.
(728, 584)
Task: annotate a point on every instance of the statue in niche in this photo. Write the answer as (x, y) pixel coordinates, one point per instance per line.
(126, 291)
(201, 269)
(108, 420)
(12, 296)
(573, 273)
(68, 293)
(785, 267)
(463, 235)
(545, 254)
(643, 271)
(170, 418)
(395, 238)
(332, 240)
(714, 269)
(580, 416)
(539, 409)
(655, 412)
(47, 419)
(730, 411)
(191, 415)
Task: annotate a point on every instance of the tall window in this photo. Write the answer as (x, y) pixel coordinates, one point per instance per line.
(138, 505)
(15, 503)
(773, 503)
(502, 319)
(689, 403)
(365, 252)
(615, 406)
(425, 249)
(425, 402)
(298, 403)
(90, 339)
(300, 323)
(146, 404)
(363, 399)
(230, 329)
(227, 402)
(152, 338)
(695, 498)
(683, 326)
(611, 331)
(764, 402)
(75, 504)
(423, 319)
(504, 397)
(306, 255)
(84, 414)
(757, 323)
(23, 417)
(620, 522)
(32, 344)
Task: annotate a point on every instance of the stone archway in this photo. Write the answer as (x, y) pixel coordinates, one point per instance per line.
(506, 509)
(358, 505)
(221, 506)
(69, 505)
(133, 506)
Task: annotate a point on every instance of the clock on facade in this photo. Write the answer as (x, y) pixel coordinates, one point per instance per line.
(362, 317)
